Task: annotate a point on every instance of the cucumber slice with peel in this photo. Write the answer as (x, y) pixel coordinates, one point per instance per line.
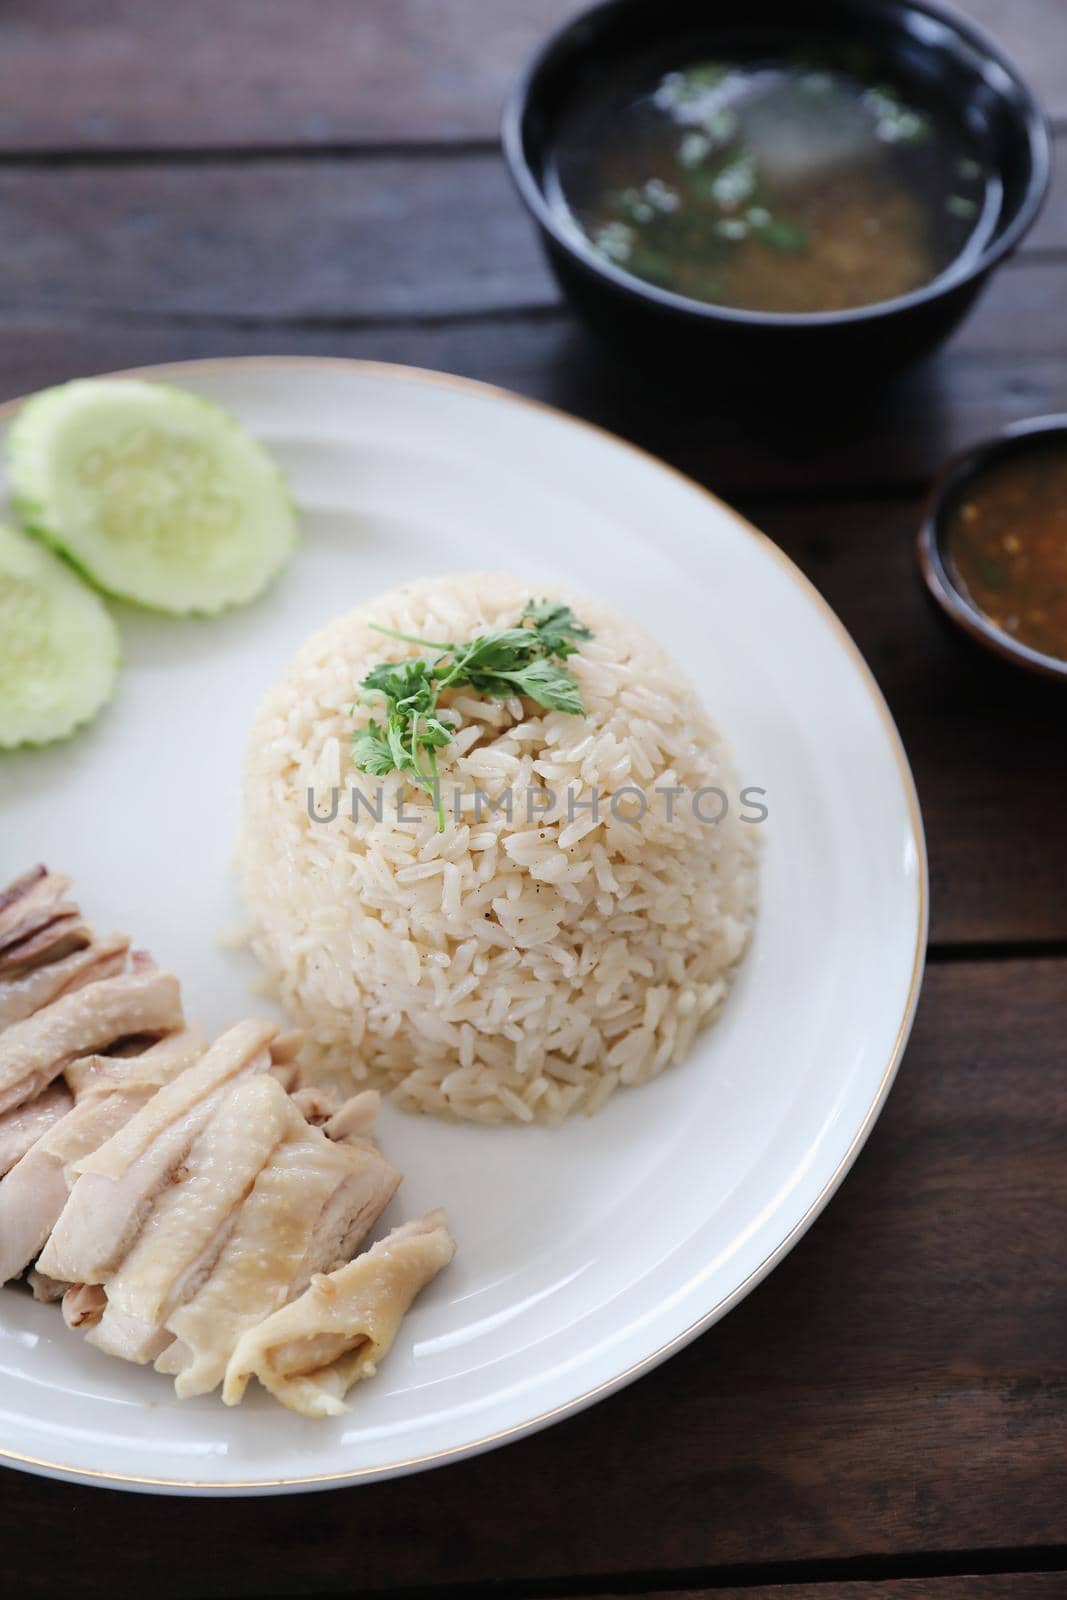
(59, 648)
(158, 496)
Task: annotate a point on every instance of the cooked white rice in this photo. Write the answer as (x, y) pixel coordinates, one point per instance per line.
(501, 969)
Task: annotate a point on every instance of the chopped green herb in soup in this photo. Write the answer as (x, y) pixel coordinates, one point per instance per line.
(771, 186)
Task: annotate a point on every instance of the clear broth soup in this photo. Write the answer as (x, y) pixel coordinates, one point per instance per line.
(777, 184)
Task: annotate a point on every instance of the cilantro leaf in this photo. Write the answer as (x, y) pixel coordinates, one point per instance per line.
(371, 753)
(550, 686)
(510, 661)
(556, 627)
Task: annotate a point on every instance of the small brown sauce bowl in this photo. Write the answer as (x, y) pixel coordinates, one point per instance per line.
(961, 482)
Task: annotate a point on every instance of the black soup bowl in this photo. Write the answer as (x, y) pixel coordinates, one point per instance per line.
(944, 61)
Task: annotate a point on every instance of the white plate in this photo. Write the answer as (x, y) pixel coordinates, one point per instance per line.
(587, 1253)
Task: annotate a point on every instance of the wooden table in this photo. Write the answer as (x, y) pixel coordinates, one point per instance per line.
(886, 1417)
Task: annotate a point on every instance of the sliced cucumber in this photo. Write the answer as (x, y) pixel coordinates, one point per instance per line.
(59, 649)
(158, 496)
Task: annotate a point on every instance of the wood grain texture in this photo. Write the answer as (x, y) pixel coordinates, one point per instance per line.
(972, 1586)
(379, 237)
(1008, 362)
(987, 765)
(897, 1385)
(104, 74)
(382, 237)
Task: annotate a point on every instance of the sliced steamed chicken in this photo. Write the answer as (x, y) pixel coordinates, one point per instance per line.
(138, 1072)
(108, 1091)
(118, 1184)
(24, 990)
(36, 923)
(35, 1051)
(179, 1199)
(313, 1202)
(311, 1352)
(21, 1128)
(186, 1228)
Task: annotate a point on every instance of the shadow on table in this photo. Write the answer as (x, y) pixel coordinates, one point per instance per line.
(831, 438)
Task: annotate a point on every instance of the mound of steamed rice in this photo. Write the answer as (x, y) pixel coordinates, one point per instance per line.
(501, 969)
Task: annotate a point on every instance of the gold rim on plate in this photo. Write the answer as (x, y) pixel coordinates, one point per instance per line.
(174, 371)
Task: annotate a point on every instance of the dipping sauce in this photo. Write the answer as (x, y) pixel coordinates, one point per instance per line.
(1007, 539)
(780, 184)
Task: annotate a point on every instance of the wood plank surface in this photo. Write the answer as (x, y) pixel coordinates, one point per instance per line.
(104, 74)
(378, 237)
(107, 73)
(969, 1586)
(981, 740)
(1008, 362)
(898, 1385)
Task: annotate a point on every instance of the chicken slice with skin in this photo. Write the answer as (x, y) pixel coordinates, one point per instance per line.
(20, 1129)
(119, 1182)
(155, 1063)
(36, 1050)
(95, 1077)
(109, 1091)
(284, 1049)
(16, 890)
(36, 923)
(30, 990)
(187, 1227)
(262, 1260)
(62, 937)
(354, 1120)
(23, 901)
(311, 1352)
(349, 1214)
(83, 1305)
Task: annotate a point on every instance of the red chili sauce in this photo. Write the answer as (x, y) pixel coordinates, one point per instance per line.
(1008, 541)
